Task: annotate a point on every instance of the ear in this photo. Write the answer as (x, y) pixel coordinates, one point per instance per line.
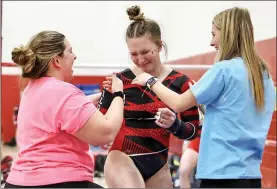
(160, 46)
(56, 62)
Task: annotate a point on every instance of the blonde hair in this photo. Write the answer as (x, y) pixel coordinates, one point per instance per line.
(34, 57)
(237, 40)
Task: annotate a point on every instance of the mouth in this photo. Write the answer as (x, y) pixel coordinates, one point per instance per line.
(145, 64)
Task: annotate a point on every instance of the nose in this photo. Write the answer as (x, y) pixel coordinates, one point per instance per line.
(212, 43)
(75, 56)
(141, 59)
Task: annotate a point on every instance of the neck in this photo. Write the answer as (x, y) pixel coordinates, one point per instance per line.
(55, 75)
(158, 71)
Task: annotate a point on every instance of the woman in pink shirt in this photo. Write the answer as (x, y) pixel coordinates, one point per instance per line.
(56, 121)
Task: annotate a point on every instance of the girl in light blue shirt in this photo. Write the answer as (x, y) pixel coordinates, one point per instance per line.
(239, 96)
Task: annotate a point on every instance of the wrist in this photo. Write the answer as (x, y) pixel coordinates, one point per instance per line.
(151, 81)
(119, 94)
(175, 126)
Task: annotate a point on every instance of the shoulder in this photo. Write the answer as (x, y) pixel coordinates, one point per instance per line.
(229, 64)
(59, 88)
(179, 80)
(179, 76)
(126, 75)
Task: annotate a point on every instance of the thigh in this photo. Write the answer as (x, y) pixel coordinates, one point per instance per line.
(121, 172)
(161, 179)
(188, 161)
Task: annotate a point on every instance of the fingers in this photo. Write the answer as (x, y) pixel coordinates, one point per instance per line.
(107, 82)
(166, 111)
(134, 81)
(160, 124)
(107, 85)
(165, 118)
(108, 78)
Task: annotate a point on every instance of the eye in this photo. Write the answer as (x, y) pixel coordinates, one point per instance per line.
(144, 52)
(134, 54)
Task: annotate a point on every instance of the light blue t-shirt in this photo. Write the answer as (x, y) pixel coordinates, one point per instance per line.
(234, 132)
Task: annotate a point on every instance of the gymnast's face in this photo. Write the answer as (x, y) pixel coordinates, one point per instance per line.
(144, 52)
(215, 37)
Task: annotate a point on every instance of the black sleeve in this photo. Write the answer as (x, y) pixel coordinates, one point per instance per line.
(184, 130)
(106, 99)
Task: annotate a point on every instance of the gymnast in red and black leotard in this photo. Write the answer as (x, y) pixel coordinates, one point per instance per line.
(140, 137)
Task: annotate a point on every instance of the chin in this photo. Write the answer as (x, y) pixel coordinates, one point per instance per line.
(148, 68)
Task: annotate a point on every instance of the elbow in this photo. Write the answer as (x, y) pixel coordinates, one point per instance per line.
(110, 132)
(105, 137)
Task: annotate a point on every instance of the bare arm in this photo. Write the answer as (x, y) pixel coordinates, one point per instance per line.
(101, 129)
(172, 99)
(94, 98)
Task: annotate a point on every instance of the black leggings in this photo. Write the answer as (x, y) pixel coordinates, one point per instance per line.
(231, 183)
(82, 184)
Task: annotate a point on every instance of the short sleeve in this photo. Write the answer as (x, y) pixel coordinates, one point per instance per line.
(208, 88)
(75, 112)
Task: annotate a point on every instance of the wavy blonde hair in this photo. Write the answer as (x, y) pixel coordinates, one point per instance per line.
(237, 40)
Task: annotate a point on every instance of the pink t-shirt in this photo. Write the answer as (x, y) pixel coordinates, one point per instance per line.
(50, 112)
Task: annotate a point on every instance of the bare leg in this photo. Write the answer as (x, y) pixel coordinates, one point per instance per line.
(121, 172)
(162, 179)
(188, 163)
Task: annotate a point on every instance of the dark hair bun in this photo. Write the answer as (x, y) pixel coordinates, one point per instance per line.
(24, 57)
(135, 14)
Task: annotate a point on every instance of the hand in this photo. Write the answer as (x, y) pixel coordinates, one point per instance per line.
(165, 118)
(107, 146)
(107, 84)
(141, 79)
(117, 84)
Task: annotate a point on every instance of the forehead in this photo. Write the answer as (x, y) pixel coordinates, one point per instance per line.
(140, 43)
(67, 44)
(214, 28)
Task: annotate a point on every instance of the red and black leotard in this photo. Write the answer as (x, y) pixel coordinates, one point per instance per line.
(139, 137)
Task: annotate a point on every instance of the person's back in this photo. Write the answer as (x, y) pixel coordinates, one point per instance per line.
(51, 149)
(238, 131)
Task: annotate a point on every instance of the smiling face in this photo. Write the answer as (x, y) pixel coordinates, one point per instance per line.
(66, 62)
(215, 37)
(144, 52)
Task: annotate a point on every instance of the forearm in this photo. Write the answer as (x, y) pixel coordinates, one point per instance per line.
(172, 99)
(115, 112)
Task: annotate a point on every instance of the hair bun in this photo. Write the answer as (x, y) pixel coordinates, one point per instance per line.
(24, 57)
(135, 14)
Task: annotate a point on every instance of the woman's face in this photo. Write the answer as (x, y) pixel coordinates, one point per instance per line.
(215, 37)
(67, 61)
(144, 52)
